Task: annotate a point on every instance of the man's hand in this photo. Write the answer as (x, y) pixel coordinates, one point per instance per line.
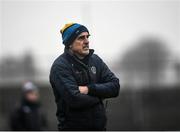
(83, 89)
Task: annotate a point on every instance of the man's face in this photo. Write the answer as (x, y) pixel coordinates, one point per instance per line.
(80, 46)
(32, 96)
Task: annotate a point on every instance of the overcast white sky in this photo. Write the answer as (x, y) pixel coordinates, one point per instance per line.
(114, 26)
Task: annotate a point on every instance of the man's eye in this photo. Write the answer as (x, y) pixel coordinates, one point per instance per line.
(82, 37)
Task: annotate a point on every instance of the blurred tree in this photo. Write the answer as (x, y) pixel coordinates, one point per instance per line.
(17, 69)
(29, 66)
(146, 62)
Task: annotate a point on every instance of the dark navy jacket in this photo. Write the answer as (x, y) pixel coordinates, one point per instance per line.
(28, 116)
(76, 111)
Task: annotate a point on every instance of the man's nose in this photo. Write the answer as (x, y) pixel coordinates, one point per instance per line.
(86, 40)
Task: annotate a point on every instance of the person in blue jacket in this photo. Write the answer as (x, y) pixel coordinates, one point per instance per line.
(81, 81)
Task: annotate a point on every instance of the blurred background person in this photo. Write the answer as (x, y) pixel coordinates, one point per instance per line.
(28, 115)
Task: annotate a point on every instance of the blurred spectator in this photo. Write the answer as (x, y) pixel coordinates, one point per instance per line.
(28, 115)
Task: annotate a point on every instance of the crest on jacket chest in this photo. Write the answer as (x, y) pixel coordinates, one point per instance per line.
(93, 73)
(93, 69)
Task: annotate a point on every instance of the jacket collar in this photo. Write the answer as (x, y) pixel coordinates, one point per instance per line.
(83, 61)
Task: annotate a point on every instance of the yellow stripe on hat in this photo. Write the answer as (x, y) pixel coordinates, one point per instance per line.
(66, 26)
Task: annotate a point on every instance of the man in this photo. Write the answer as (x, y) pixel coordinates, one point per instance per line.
(28, 116)
(80, 81)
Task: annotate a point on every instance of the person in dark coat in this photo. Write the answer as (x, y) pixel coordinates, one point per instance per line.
(28, 115)
(81, 81)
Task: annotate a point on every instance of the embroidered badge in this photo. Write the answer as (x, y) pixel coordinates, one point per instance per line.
(93, 69)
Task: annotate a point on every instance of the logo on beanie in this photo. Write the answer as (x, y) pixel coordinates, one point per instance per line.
(77, 31)
(93, 69)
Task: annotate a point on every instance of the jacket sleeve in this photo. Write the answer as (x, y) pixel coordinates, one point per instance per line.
(66, 86)
(109, 84)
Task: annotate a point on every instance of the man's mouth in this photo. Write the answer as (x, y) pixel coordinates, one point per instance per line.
(86, 47)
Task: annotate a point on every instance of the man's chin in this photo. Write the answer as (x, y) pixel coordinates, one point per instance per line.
(86, 52)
